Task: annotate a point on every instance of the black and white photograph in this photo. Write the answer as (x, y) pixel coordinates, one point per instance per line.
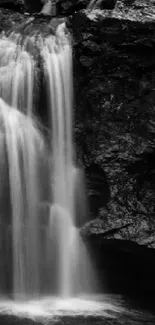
(77, 162)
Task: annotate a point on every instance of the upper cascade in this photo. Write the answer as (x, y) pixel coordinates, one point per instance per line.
(18, 64)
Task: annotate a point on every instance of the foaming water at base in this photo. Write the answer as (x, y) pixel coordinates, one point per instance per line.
(50, 307)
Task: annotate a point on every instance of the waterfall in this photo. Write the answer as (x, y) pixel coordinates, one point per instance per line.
(16, 73)
(57, 58)
(49, 256)
(23, 146)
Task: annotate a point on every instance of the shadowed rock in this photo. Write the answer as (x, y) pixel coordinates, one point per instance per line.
(115, 115)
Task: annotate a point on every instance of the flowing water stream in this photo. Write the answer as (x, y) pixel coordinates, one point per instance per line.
(50, 257)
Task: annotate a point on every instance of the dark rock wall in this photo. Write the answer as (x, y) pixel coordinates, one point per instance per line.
(114, 75)
(17, 5)
(114, 70)
(34, 5)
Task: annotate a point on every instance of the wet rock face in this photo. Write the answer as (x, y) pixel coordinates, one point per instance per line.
(9, 19)
(115, 113)
(99, 191)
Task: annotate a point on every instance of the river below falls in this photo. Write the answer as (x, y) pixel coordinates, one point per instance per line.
(96, 309)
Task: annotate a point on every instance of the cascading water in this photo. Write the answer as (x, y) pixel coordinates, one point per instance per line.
(16, 73)
(57, 56)
(23, 157)
(48, 256)
(44, 263)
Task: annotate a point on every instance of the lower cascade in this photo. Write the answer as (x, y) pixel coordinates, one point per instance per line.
(42, 252)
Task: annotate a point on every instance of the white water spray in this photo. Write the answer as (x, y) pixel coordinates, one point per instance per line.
(23, 147)
(16, 73)
(48, 257)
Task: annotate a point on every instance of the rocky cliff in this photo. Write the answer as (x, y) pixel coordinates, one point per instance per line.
(114, 68)
(114, 71)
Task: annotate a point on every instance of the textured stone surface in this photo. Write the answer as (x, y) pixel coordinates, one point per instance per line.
(10, 19)
(114, 69)
(70, 6)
